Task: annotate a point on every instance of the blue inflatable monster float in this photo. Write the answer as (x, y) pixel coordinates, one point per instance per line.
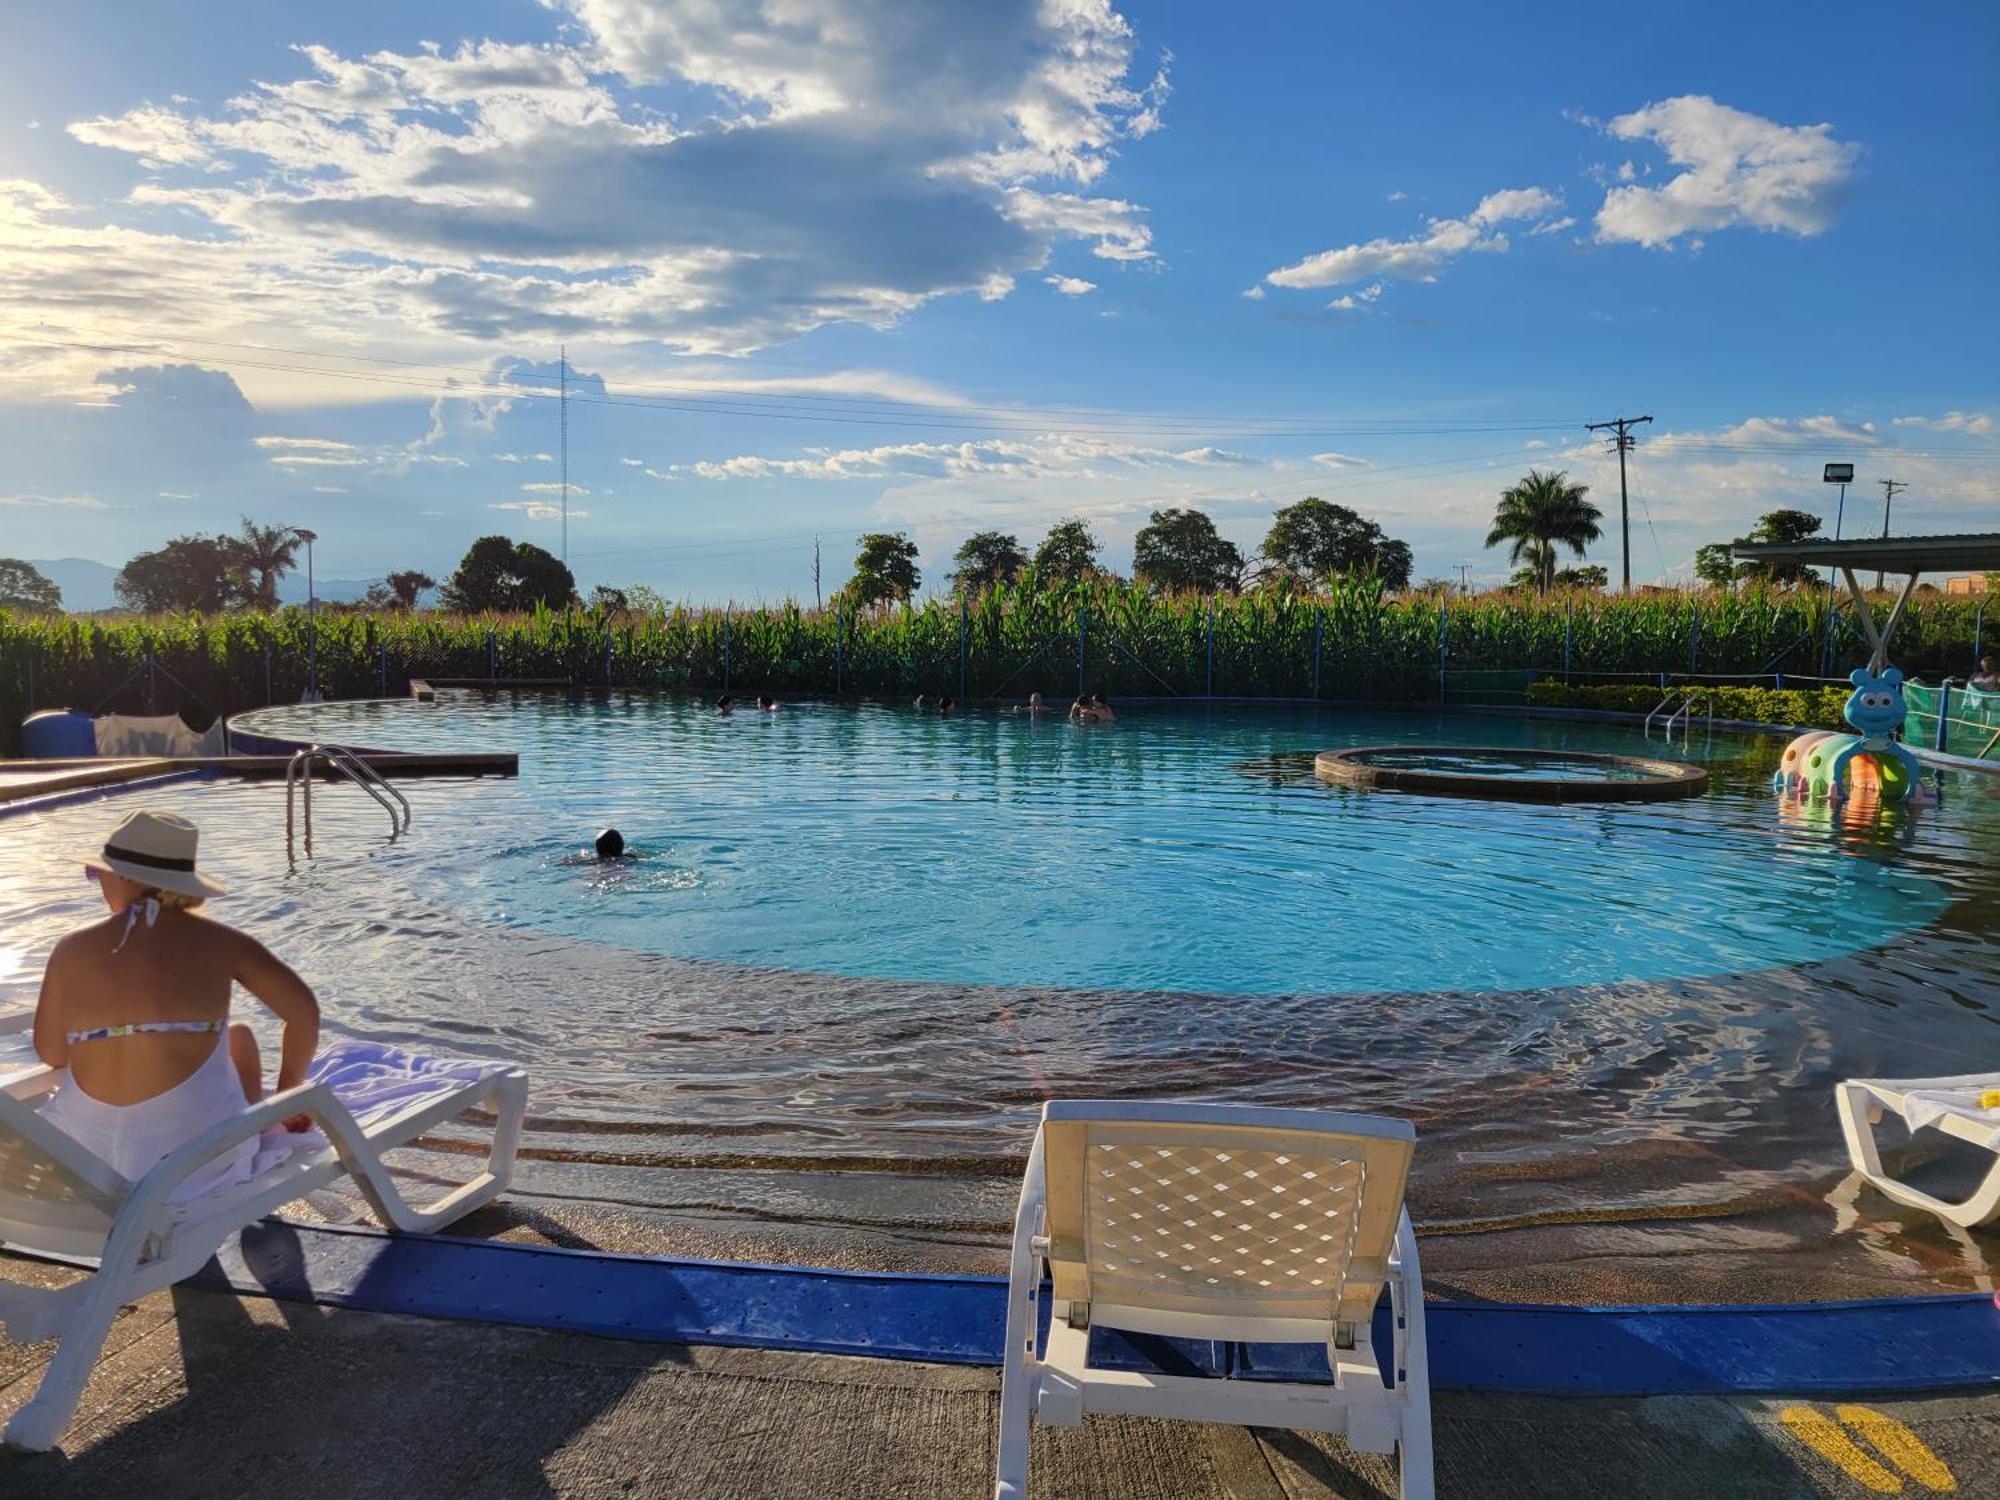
(1823, 763)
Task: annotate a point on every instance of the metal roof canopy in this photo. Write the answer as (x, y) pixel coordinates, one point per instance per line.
(1971, 552)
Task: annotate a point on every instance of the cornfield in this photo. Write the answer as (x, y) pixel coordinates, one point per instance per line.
(1353, 642)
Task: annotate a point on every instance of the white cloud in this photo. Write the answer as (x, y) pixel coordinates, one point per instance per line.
(1553, 226)
(1049, 454)
(1071, 286)
(538, 510)
(633, 463)
(829, 161)
(1980, 424)
(1254, 293)
(55, 502)
(1424, 257)
(307, 445)
(1356, 300)
(329, 489)
(552, 489)
(178, 495)
(1339, 461)
(1739, 170)
(318, 461)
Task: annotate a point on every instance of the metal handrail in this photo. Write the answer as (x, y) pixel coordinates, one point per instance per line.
(1661, 708)
(342, 759)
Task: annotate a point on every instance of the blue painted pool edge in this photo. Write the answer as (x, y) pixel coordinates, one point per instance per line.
(21, 806)
(1901, 1344)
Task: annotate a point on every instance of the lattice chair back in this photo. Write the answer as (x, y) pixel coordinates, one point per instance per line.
(55, 1196)
(1187, 1209)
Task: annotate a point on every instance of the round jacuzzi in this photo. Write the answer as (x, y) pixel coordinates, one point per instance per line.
(1512, 773)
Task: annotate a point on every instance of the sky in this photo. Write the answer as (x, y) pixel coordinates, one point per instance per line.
(812, 268)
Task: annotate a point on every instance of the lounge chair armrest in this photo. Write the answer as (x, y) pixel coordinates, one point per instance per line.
(312, 1099)
(30, 1082)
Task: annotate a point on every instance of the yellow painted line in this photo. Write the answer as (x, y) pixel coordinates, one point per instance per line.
(1830, 1441)
(1900, 1446)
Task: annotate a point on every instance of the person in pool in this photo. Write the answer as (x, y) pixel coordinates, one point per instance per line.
(610, 844)
(945, 707)
(725, 704)
(136, 1007)
(1986, 679)
(922, 703)
(766, 705)
(1100, 706)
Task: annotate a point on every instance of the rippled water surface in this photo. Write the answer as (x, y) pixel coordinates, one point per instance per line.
(855, 937)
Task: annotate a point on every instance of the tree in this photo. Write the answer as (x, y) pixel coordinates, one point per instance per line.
(264, 554)
(1781, 527)
(608, 600)
(408, 586)
(1319, 542)
(202, 573)
(885, 569)
(1589, 576)
(1068, 552)
(1540, 513)
(500, 574)
(1180, 551)
(986, 558)
(1713, 565)
(24, 590)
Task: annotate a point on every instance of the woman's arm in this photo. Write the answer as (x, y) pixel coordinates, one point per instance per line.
(51, 1037)
(287, 997)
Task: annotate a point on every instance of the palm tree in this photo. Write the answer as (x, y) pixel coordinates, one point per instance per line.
(1539, 513)
(265, 554)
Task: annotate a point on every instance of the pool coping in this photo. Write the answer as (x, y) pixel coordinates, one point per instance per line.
(1664, 781)
(1932, 1342)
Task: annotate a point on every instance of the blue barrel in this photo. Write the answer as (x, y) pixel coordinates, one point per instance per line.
(58, 734)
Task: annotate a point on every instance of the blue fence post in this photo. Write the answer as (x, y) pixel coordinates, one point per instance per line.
(1082, 639)
(1943, 710)
(152, 683)
(728, 640)
(839, 648)
(963, 607)
(382, 668)
(1569, 634)
(1694, 639)
(1978, 631)
(492, 658)
(1210, 687)
(1778, 681)
(608, 641)
(1319, 631)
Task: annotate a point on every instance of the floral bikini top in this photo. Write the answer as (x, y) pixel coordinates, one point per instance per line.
(148, 1028)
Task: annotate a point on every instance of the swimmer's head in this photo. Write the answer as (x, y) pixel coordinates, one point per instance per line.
(1034, 700)
(724, 703)
(610, 844)
(766, 703)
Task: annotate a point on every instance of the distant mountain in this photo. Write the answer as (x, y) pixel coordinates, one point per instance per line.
(86, 585)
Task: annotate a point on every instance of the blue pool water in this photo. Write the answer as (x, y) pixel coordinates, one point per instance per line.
(1168, 852)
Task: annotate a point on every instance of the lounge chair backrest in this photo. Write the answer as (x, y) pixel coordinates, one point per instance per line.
(1221, 1211)
(55, 1196)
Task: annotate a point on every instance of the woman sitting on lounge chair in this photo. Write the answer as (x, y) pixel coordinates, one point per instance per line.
(136, 1006)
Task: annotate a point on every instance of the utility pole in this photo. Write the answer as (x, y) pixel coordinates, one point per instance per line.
(1623, 441)
(562, 401)
(1889, 488)
(818, 602)
(1464, 579)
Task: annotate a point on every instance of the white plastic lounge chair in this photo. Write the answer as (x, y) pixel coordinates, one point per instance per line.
(1950, 1105)
(1216, 1222)
(61, 1200)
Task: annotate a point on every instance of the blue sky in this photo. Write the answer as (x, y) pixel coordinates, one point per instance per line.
(981, 265)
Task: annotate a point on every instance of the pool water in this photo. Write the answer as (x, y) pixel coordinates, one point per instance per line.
(817, 1014)
(1003, 850)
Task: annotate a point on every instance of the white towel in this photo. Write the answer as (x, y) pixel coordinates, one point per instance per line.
(1923, 1107)
(374, 1082)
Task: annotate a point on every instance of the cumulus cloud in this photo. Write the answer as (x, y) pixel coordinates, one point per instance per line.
(840, 161)
(1979, 424)
(1353, 301)
(1071, 286)
(1425, 256)
(552, 489)
(1739, 169)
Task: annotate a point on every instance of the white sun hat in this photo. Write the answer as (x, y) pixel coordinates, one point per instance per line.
(156, 850)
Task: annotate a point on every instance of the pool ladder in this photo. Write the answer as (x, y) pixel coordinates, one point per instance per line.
(299, 777)
(1678, 708)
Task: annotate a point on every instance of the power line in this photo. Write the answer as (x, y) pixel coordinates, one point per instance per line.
(1623, 442)
(1889, 488)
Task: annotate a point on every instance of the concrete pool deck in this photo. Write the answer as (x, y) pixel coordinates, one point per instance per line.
(202, 1394)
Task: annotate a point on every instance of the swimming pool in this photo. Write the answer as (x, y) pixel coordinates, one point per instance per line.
(862, 944)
